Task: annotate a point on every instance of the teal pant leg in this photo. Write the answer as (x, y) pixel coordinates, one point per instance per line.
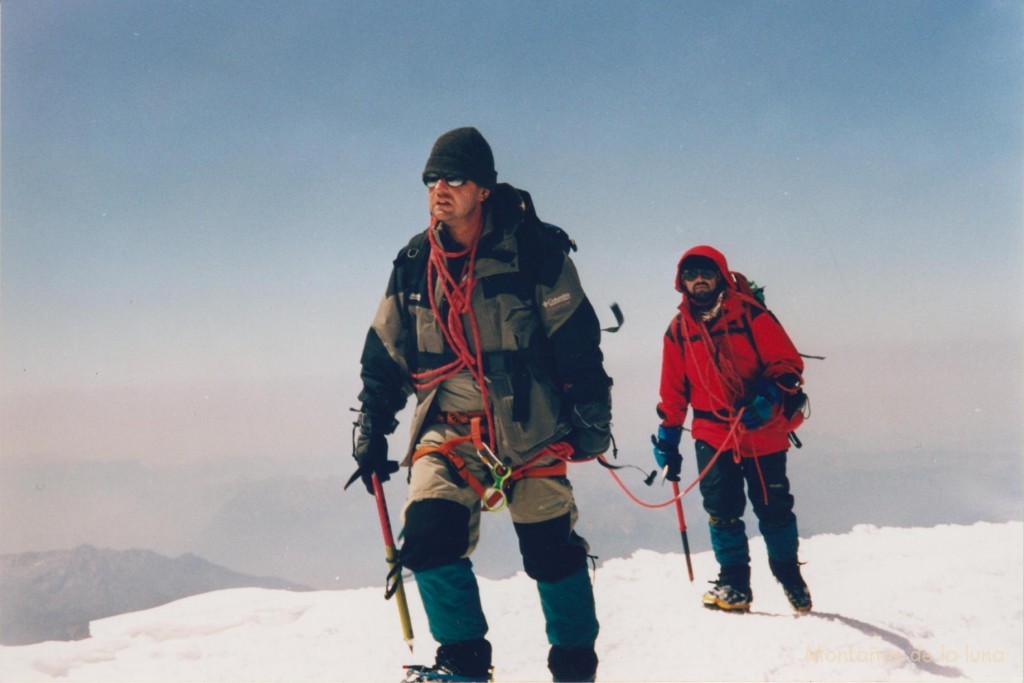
(569, 612)
(729, 541)
(782, 541)
(775, 516)
(451, 599)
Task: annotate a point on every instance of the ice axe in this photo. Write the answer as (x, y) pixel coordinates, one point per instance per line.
(394, 586)
(682, 528)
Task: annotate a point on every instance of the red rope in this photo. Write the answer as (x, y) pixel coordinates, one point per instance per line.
(727, 385)
(701, 475)
(459, 294)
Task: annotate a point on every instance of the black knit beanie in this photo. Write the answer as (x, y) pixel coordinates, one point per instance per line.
(463, 151)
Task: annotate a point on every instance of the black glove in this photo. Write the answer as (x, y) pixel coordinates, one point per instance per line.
(592, 429)
(371, 450)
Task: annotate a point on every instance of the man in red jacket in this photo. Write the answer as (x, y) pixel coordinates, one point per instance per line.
(728, 359)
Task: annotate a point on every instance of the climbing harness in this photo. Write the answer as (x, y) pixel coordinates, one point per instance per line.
(494, 498)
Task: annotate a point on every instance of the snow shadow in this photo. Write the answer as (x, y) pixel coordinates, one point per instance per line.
(915, 655)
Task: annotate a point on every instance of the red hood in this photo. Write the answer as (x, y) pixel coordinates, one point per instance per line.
(707, 252)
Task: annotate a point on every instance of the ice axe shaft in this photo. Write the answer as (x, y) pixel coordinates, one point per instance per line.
(394, 571)
(682, 528)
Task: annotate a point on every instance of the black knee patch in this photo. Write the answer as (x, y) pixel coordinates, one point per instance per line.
(436, 533)
(551, 550)
(572, 663)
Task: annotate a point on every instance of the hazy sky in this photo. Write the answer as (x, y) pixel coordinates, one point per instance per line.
(201, 201)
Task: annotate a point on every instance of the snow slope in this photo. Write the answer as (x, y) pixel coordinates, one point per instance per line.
(890, 604)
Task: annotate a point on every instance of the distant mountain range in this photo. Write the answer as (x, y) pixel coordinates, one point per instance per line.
(54, 595)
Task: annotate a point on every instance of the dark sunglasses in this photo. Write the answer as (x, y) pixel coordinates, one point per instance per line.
(432, 179)
(691, 274)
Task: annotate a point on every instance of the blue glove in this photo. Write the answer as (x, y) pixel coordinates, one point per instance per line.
(666, 451)
(765, 396)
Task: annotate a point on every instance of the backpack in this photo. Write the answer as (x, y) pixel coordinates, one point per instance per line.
(530, 218)
(750, 289)
(794, 405)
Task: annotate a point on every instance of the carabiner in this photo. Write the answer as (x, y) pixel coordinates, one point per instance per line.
(488, 457)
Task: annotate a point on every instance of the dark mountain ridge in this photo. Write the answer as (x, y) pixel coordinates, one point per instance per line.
(54, 595)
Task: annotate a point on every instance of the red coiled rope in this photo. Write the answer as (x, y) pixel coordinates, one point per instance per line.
(459, 295)
(721, 382)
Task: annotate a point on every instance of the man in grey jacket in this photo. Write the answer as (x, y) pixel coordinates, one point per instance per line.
(485, 321)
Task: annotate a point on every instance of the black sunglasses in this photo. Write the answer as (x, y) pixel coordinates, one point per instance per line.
(691, 274)
(432, 179)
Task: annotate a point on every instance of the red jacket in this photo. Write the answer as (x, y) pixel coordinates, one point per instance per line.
(712, 366)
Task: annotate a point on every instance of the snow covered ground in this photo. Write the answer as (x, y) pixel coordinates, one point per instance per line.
(890, 604)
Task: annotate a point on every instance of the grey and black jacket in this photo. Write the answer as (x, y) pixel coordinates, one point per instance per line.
(539, 334)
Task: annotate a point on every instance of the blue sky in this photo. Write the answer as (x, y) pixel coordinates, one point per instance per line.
(201, 201)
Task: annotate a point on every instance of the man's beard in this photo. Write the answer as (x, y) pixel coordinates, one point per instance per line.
(704, 297)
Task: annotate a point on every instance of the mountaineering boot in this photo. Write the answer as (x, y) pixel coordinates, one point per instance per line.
(799, 597)
(466, 662)
(576, 664)
(731, 592)
(417, 673)
(793, 584)
(727, 598)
